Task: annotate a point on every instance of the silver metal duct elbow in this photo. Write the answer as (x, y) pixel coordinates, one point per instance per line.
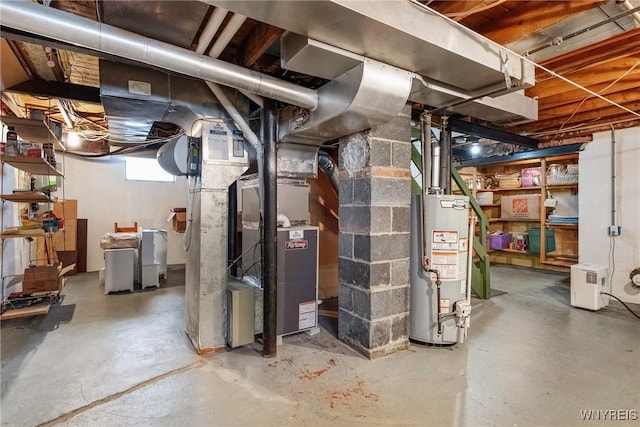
(328, 166)
(33, 18)
(368, 95)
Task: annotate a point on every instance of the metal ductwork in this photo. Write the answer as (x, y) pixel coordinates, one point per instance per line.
(454, 67)
(47, 22)
(309, 56)
(135, 97)
(369, 94)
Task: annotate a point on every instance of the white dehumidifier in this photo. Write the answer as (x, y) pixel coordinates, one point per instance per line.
(587, 281)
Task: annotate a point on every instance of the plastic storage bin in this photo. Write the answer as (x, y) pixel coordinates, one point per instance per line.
(485, 198)
(534, 240)
(499, 240)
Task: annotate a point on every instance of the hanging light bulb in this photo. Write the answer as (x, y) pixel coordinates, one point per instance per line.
(475, 148)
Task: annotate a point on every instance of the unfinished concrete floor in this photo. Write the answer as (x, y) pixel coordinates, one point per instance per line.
(123, 360)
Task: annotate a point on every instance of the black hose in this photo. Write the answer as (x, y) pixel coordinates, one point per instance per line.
(620, 301)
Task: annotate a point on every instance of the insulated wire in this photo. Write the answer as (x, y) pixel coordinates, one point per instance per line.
(621, 302)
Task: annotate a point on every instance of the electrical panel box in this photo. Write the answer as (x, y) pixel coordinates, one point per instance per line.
(587, 283)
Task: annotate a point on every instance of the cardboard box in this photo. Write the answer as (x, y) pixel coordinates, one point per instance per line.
(520, 207)
(68, 259)
(67, 209)
(45, 278)
(178, 219)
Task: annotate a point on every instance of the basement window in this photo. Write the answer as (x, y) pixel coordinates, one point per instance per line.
(137, 169)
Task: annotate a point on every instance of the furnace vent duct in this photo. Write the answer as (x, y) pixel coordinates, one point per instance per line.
(306, 55)
(69, 28)
(299, 161)
(355, 101)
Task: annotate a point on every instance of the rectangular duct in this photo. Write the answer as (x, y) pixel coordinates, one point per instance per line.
(399, 33)
(305, 55)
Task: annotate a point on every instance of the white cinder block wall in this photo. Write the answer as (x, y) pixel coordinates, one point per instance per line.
(105, 197)
(595, 207)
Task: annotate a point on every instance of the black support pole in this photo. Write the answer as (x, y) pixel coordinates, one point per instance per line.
(232, 240)
(270, 230)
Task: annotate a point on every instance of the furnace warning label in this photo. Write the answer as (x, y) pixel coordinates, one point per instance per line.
(445, 240)
(307, 315)
(217, 143)
(446, 263)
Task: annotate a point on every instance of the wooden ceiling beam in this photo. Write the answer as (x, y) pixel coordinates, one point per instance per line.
(631, 82)
(258, 42)
(621, 123)
(449, 7)
(599, 116)
(612, 47)
(590, 61)
(586, 77)
(532, 16)
(621, 97)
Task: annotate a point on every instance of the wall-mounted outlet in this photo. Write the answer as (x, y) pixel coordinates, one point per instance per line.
(615, 230)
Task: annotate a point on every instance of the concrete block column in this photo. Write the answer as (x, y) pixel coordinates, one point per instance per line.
(375, 222)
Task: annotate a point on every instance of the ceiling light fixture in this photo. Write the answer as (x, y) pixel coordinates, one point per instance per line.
(475, 148)
(73, 140)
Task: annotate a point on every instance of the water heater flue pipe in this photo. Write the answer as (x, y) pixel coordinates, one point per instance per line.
(425, 145)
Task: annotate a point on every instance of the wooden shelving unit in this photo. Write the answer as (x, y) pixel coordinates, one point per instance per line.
(27, 197)
(565, 253)
(32, 165)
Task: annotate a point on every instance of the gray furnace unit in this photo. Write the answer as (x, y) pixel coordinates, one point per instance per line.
(297, 274)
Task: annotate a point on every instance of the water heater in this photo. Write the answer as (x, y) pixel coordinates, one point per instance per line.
(439, 291)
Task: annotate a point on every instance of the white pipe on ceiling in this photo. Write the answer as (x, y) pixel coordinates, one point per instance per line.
(227, 34)
(230, 30)
(33, 18)
(211, 28)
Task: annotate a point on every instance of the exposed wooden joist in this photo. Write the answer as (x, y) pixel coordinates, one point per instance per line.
(624, 97)
(623, 45)
(631, 82)
(261, 39)
(532, 16)
(622, 123)
(601, 73)
(602, 115)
